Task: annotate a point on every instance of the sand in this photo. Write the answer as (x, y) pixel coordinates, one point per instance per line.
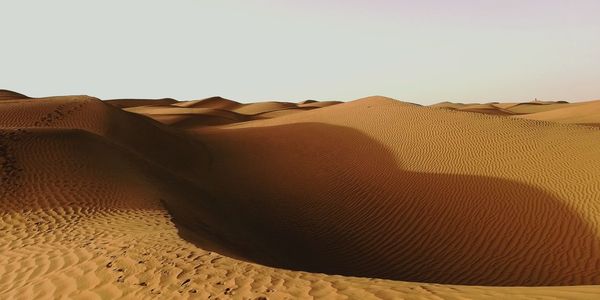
(370, 199)
(127, 103)
(586, 113)
(8, 95)
(505, 109)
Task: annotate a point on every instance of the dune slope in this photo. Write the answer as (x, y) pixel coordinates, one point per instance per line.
(8, 95)
(220, 111)
(127, 103)
(378, 188)
(144, 136)
(587, 113)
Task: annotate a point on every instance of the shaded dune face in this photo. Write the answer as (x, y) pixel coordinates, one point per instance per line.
(212, 102)
(10, 95)
(127, 103)
(344, 205)
(145, 137)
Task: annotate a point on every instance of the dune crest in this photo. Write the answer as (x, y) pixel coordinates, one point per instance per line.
(127, 103)
(10, 95)
(579, 113)
(220, 111)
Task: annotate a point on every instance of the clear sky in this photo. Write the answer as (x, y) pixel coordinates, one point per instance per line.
(251, 50)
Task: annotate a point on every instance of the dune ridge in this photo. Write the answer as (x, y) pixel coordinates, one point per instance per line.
(580, 113)
(8, 95)
(587, 113)
(505, 109)
(220, 111)
(98, 202)
(127, 103)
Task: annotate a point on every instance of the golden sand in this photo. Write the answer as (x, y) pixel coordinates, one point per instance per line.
(159, 199)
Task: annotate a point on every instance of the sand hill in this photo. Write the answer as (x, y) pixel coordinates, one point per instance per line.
(580, 113)
(504, 109)
(370, 199)
(220, 111)
(587, 113)
(8, 95)
(126, 103)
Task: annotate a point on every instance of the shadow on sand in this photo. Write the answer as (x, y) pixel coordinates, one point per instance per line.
(323, 198)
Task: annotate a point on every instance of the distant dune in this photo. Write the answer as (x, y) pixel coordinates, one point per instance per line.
(587, 113)
(126, 103)
(370, 199)
(496, 108)
(581, 113)
(220, 111)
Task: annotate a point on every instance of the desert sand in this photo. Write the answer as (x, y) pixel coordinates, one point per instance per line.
(369, 199)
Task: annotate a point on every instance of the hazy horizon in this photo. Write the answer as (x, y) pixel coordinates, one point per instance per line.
(259, 50)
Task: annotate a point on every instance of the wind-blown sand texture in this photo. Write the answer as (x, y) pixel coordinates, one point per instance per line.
(160, 199)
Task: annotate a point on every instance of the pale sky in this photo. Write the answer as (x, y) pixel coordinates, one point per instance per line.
(257, 50)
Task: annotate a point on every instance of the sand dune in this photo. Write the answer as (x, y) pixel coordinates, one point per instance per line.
(380, 171)
(535, 107)
(186, 116)
(152, 202)
(142, 135)
(504, 109)
(580, 113)
(448, 105)
(587, 113)
(213, 102)
(262, 107)
(318, 104)
(8, 95)
(488, 108)
(219, 111)
(126, 103)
